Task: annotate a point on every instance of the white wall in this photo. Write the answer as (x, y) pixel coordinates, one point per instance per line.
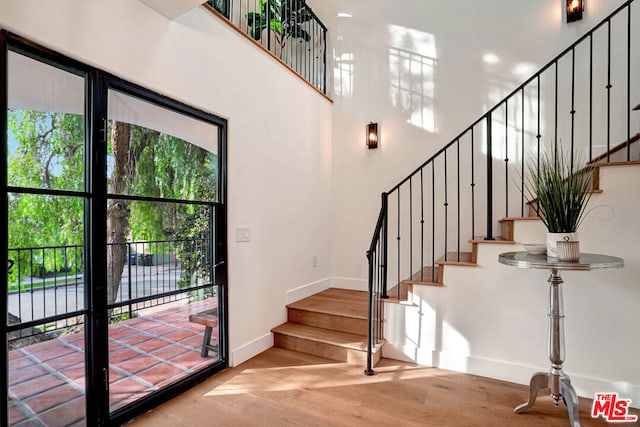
(279, 153)
(455, 87)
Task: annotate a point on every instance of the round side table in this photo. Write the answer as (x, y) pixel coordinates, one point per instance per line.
(555, 379)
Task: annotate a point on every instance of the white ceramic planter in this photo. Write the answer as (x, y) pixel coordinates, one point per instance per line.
(553, 238)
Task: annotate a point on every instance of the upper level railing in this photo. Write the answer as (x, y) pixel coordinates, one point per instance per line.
(288, 29)
(580, 102)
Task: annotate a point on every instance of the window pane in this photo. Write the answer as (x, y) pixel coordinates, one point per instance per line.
(156, 152)
(45, 126)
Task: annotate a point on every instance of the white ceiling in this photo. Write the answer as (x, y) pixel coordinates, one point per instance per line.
(172, 8)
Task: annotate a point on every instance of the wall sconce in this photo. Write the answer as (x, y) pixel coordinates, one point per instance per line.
(372, 135)
(574, 10)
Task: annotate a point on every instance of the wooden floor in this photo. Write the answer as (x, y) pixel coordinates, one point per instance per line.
(285, 388)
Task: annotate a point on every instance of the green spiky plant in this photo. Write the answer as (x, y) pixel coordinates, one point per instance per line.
(562, 191)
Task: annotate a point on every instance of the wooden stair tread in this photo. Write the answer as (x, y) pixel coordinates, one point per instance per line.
(464, 258)
(326, 336)
(498, 240)
(338, 302)
(625, 163)
(520, 218)
(424, 283)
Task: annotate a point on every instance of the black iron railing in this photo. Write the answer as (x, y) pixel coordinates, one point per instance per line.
(287, 28)
(579, 102)
(46, 284)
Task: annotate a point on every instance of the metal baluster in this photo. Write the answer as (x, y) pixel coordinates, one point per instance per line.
(573, 97)
(421, 225)
(590, 97)
(129, 278)
(42, 274)
(446, 208)
(609, 86)
(629, 82)
(522, 171)
(324, 61)
(473, 190)
(458, 170)
(506, 158)
(433, 220)
(398, 236)
(555, 140)
(268, 13)
(489, 180)
(385, 243)
(410, 231)
(538, 136)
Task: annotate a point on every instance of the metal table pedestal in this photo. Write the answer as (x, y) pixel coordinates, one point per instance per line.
(556, 381)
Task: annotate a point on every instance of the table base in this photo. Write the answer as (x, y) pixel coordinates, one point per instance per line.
(559, 386)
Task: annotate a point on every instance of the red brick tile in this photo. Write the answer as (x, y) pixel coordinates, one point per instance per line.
(151, 345)
(73, 338)
(15, 415)
(24, 374)
(135, 338)
(114, 376)
(60, 363)
(22, 362)
(121, 355)
(64, 415)
(192, 359)
(35, 386)
(14, 354)
(159, 373)
(124, 389)
(179, 335)
(193, 342)
(169, 352)
(114, 346)
(137, 364)
(53, 353)
(41, 346)
(74, 373)
(147, 324)
(119, 333)
(52, 398)
(161, 330)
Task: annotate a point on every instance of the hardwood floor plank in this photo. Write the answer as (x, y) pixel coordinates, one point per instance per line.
(285, 388)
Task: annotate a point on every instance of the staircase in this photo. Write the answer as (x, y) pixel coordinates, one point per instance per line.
(330, 324)
(471, 192)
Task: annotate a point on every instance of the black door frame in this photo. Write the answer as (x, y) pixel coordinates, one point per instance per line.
(97, 85)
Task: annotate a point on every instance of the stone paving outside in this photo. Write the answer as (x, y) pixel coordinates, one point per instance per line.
(47, 379)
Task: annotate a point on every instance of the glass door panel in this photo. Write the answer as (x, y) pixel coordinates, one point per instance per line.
(46, 308)
(162, 192)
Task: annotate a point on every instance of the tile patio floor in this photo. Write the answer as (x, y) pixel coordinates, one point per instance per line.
(46, 380)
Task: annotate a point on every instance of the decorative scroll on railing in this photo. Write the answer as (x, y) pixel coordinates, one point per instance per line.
(581, 102)
(287, 28)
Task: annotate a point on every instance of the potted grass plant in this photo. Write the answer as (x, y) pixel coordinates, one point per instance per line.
(560, 191)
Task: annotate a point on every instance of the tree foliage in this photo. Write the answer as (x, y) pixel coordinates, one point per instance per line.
(46, 151)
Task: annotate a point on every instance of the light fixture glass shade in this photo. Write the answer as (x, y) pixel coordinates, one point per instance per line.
(372, 135)
(574, 10)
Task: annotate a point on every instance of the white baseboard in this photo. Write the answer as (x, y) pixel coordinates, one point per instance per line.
(350, 283)
(507, 371)
(251, 349)
(307, 290)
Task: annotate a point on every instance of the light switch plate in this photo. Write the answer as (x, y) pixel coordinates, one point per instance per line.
(243, 234)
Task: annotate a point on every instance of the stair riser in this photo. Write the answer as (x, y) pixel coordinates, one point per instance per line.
(328, 321)
(323, 350)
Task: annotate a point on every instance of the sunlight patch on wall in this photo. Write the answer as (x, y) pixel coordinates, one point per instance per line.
(455, 348)
(343, 59)
(412, 70)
